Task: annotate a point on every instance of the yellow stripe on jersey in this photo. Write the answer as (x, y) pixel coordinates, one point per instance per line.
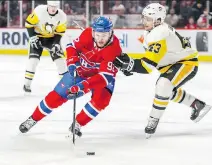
(189, 60)
(156, 51)
(164, 69)
(145, 65)
(60, 29)
(31, 20)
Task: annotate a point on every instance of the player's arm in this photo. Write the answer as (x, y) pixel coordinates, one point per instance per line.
(155, 52)
(107, 70)
(58, 33)
(74, 48)
(145, 65)
(31, 22)
(105, 76)
(61, 28)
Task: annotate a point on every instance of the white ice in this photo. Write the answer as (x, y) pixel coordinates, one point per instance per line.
(116, 135)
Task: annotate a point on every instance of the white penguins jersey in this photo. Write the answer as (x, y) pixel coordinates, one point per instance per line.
(46, 25)
(164, 46)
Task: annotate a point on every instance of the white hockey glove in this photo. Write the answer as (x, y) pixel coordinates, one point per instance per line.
(124, 62)
(34, 42)
(56, 50)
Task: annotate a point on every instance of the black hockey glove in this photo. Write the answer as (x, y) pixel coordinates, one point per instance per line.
(35, 42)
(56, 50)
(126, 73)
(124, 62)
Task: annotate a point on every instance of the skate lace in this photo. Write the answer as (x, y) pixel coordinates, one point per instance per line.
(152, 123)
(29, 123)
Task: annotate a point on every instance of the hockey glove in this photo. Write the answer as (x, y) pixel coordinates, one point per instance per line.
(56, 50)
(74, 66)
(35, 42)
(126, 73)
(78, 89)
(124, 62)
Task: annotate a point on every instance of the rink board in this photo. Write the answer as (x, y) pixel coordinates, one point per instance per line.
(15, 41)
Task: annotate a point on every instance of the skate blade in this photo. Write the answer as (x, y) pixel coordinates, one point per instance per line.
(206, 109)
(148, 136)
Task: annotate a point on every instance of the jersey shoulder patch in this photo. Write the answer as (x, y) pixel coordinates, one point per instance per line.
(158, 33)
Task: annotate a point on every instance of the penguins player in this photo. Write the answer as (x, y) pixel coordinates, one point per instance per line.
(46, 26)
(172, 55)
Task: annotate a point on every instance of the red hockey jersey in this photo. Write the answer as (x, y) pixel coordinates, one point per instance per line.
(96, 64)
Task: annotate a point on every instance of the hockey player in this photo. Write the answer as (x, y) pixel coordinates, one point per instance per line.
(46, 26)
(91, 56)
(177, 62)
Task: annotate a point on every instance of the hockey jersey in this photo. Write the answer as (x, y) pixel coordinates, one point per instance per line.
(96, 63)
(164, 47)
(46, 25)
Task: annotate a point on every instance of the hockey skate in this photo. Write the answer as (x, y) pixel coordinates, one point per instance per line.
(27, 125)
(77, 129)
(27, 89)
(151, 127)
(199, 110)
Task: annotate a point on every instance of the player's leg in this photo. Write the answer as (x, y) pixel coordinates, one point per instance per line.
(165, 85)
(34, 58)
(52, 101)
(99, 101)
(199, 107)
(57, 56)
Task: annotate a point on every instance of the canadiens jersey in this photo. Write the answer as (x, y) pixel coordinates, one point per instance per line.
(46, 25)
(96, 63)
(164, 47)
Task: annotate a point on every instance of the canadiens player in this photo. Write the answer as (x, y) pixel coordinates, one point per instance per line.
(91, 56)
(173, 56)
(46, 26)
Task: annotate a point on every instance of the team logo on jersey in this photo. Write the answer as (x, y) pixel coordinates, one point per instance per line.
(48, 28)
(87, 64)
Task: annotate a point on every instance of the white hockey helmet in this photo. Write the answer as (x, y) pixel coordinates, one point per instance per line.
(54, 3)
(155, 11)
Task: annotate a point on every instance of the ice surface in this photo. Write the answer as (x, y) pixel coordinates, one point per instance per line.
(116, 135)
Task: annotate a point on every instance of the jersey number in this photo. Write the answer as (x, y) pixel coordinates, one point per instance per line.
(155, 47)
(110, 67)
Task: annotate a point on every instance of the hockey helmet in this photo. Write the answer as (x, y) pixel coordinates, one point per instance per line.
(54, 3)
(102, 24)
(155, 11)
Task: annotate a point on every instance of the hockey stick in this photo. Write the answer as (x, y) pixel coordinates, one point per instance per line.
(74, 111)
(78, 25)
